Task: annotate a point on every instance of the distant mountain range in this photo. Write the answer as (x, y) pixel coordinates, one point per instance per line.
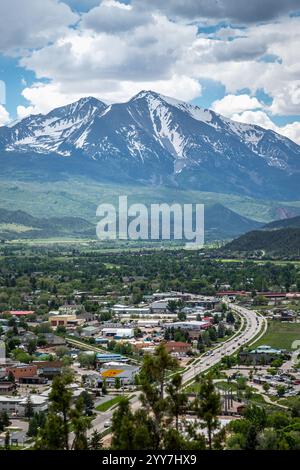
(293, 222)
(20, 225)
(152, 140)
(220, 223)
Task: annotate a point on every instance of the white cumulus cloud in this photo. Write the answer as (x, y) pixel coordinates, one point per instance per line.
(24, 111)
(112, 16)
(4, 116)
(232, 104)
(292, 131)
(32, 23)
(43, 97)
(113, 49)
(260, 118)
(247, 109)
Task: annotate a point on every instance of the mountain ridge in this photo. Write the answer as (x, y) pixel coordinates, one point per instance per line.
(153, 139)
(221, 223)
(291, 222)
(277, 238)
(284, 242)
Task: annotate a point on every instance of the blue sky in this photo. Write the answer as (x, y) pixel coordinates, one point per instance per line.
(15, 78)
(239, 58)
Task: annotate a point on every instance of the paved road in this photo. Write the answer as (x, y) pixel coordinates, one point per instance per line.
(254, 324)
(104, 417)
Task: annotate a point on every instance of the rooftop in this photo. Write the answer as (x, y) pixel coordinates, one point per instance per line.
(21, 312)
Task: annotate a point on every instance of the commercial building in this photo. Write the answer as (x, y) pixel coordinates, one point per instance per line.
(49, 369)
(118, 333)
(149, 323)
(108, 357)
(177, 347)
(172, 295)
(125, 309)
(115, 370)
(189, 325)
(262, 355)
(65, 320)
(90, 331)
(22, 370)
(16, 406)
(54, 340)
(161, 306)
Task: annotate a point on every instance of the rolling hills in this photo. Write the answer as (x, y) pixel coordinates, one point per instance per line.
(293, 222)
(280, 238)
(20, 225)
(220, 222)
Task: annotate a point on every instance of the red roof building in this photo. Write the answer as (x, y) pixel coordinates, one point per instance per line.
(21, 312)
(22, 370)
(178, 347)
(208, 319)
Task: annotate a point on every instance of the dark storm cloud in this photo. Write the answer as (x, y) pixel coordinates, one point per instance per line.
(241, 11)
(115, 17)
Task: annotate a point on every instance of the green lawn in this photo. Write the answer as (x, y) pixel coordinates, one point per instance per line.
(289, 401)
(193, 388)
(224, 386)
(280, 335)
(109, 404)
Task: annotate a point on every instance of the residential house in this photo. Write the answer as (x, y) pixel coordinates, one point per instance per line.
(178, 347)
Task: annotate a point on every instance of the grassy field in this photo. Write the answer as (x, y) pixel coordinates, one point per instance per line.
(109, 404)
(280, 335)
(81, 196)
(193, 388)
(15, 228)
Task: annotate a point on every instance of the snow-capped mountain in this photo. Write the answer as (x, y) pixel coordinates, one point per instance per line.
(50, 133)
(155, 139)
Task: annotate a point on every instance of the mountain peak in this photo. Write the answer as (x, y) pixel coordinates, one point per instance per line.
(144, 94)
(155, 138)
(91, 100)
(155, 95)
(196, 112)
(81, 105)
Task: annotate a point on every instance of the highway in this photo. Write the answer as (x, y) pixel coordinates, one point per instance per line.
(254, 323)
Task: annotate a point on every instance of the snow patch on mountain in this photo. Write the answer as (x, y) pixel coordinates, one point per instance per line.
(48, 133)
(162, 121)
(153, 136)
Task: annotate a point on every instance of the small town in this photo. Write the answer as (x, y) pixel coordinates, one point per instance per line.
(97, 344)
(149, 232)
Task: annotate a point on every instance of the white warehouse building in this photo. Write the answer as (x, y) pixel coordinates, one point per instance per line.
(118, 333)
